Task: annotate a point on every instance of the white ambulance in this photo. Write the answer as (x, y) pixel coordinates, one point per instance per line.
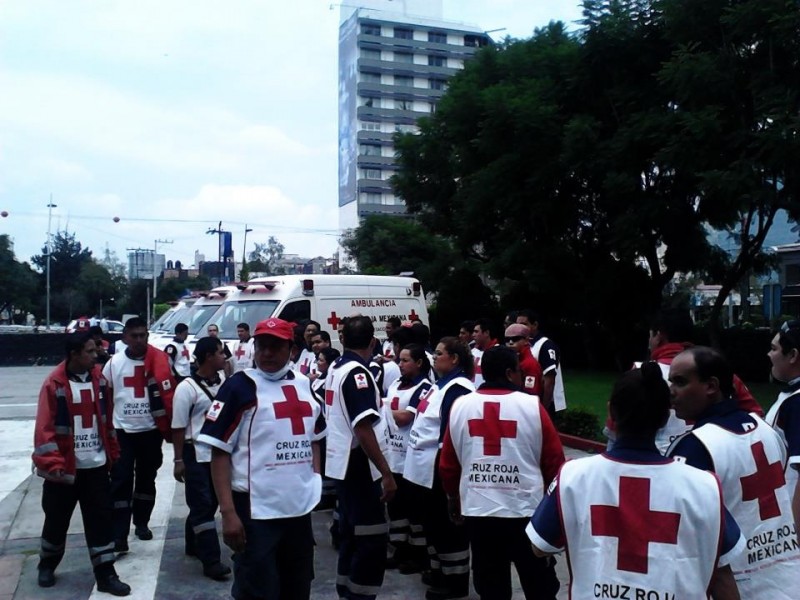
(325, 299)
(196, 317)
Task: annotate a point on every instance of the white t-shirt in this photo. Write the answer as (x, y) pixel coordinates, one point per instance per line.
(89, 452)
(131, 400)
(189, 407)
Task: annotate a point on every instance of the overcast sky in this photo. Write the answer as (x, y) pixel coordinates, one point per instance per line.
(175, 115)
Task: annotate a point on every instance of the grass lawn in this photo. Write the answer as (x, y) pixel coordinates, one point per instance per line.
(589, 391)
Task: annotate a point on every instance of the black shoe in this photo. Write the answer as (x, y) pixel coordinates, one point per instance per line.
(121, 546)
(47, 577)
(143, 533)
(112, 585)
(445, 594)
(216, 571)
(409, 567)
(189, 551)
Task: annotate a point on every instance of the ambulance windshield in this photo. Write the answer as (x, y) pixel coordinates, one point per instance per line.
(197, 317)
(233, 312)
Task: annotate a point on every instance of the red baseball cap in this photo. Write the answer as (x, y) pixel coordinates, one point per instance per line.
(275, 327)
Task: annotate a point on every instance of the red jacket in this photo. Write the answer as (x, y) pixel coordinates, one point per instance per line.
(531, 373)
(53, 440)
(666, 354)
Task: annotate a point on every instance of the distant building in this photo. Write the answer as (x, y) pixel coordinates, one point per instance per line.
(142, 262)
(393, 69)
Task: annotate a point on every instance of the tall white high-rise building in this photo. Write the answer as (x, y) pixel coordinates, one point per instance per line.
(395, 57)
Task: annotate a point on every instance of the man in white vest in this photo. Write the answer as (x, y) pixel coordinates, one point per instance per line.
(634, 524)
(749, 458)
(784, 415)
(178, 353)
(500, 451)
(354, 457)
(264, 428)
(485, 334)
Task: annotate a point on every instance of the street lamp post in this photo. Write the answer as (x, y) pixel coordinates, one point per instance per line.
(244, 250)
(50, 207)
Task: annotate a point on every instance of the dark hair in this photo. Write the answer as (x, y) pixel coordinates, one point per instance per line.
(710, 363)
(395, 321)
(95, 330)
(358, 333)
(330, 354)
(326, 337)
(421, 333)
(417, 352)
(789, 336)
(512, 315)
(298, 333)
(402, 336)
(496, 361)
(674, 324)
(531, 315)
(312, 322)
(205, 347)
(75, 342)
(134, 323)
(181, 328)
(488, 325)
(453, 345)
(244, 326)
(640, 400)
(468, 325)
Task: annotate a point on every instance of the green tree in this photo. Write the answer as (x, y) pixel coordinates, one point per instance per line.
(17, 282)
(264, 258)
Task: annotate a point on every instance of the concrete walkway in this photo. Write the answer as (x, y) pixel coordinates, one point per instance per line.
(156, 569)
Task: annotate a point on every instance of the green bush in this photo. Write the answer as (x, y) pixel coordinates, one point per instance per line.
(580, 423)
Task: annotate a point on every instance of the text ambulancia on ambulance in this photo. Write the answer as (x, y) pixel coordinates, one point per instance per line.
(326, 299)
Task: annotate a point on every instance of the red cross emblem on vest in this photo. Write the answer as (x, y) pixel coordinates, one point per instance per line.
(136, 381)
(492, 429)
(334, 320)
(85, 406)
(634, 525)
(240, 352)
(185, 353)
(293, 409)
(423, 400)
(395, 403)
(762, 484)
(477, 361)
(329, 397)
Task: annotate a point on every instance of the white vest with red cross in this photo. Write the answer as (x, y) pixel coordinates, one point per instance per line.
(751, 466)
(243, 355)
(772, 420)
(423, 439)
(477, 358)
(131, 400)
(89, 451)
(498, 440)
(280, 473)
(341, 440)
(398, 399)
(639, 530)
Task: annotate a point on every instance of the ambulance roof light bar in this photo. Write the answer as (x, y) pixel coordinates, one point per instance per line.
(308, 287)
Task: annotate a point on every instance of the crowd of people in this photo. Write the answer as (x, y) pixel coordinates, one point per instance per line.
(439, 460)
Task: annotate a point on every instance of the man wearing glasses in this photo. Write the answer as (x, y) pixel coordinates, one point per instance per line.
(784, 416)
(517, 337)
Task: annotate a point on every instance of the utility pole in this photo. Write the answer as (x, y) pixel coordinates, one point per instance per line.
(155, 276)
(218, 231)
(244, 270)
(50, 207)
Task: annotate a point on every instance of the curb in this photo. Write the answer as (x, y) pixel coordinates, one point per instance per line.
(582, 444)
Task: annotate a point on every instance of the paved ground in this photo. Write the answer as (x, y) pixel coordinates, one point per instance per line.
(155, 569)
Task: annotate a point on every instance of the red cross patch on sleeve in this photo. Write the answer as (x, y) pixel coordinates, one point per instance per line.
(530, 382)
(166, 385)
(214, 410)
(361, 381)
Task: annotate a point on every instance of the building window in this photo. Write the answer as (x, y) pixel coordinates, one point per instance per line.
(438, 84)
(373, 102)
(406, 128)
(370, 77)
(433, 108)
(372, 198)
(403, 57)
(373, 173)
(404, 81)
(403, 34)
(474, 41)
(370, 54)
(437, 37)
(370, 126)
(404, 105)
(437, 61)
(369, 29)
(370, 150)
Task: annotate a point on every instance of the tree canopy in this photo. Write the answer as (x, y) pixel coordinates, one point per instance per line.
(582, 171)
